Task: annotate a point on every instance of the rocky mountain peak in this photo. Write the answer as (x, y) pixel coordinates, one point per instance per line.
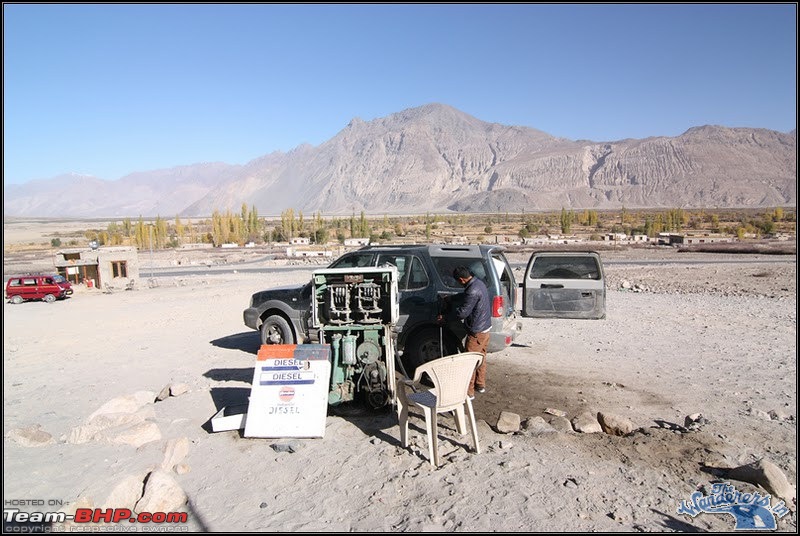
(434, 158)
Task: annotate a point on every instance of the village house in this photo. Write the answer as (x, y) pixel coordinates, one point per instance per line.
(99, 266)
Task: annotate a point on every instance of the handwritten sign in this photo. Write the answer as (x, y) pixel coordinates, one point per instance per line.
(289, 395)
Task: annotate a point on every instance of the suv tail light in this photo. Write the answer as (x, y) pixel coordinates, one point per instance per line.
(497, 307)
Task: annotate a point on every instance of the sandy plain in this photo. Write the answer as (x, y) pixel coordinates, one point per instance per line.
(684, 334)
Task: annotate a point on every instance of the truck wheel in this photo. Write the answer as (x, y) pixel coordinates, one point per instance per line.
(16, 299)
(49, 298)
(425, 346)
(276, 330)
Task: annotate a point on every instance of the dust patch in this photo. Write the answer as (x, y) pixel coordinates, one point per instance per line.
(519, 389)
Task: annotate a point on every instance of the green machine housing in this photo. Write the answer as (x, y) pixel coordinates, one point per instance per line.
(354, 310)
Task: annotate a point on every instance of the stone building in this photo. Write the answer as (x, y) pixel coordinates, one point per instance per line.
(113, 266)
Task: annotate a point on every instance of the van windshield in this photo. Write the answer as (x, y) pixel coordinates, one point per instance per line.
(59, 279)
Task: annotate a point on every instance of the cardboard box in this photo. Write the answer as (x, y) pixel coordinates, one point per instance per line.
(229, 418)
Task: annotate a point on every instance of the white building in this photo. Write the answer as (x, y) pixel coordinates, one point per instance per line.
(356, 241)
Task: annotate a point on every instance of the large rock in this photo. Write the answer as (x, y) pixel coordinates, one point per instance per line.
(125, 404)
(536, 426)
(31, 436)
(560, 424)
(162, 493)
(174, 452)
(122, 420)
(508, 423)
(586, 423)
(614, 424)
(125, 494)
(769, 476)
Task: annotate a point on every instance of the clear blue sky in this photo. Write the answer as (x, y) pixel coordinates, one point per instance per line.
(106, 90)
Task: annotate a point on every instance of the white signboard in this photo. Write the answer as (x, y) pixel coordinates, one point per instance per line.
(289, 395)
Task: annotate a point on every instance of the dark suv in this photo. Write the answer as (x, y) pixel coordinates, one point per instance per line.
(425, 280)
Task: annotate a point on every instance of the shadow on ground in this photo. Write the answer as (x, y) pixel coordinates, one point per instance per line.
(231, 374)
(248, 342)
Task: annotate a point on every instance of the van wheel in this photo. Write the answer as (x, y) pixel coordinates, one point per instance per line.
(425, 346)
(276, 330)
(17, 299)
(49, 298)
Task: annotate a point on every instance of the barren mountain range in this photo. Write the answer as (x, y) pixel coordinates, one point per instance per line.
(435, 158)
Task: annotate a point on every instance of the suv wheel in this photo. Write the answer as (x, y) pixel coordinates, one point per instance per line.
(426, 346)
(276, 330)
(16, 299)
(49, 298)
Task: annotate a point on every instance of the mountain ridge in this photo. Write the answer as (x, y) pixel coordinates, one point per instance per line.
(435, 158)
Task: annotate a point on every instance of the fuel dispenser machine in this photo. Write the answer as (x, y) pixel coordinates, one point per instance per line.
(354, 311)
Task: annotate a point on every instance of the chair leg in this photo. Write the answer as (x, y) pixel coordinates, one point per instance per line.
(461, 423)
(432, 431)
(402, 417)
(473, 425)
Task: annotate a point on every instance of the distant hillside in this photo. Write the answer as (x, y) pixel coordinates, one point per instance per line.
(435, 158)
(164, 192)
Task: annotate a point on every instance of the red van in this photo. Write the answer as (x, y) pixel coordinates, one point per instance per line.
(47, 287)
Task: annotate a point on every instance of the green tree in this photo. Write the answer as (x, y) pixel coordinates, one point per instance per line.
(321, 235)
(767, 226)
(141, 236)
(566, 221)
(127, 228)
(254, 225)
(246, 218)
(287, 225)
(179, 229)
(218, 230)
(160, 231)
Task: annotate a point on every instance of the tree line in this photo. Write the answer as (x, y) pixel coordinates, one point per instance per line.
(248, 226)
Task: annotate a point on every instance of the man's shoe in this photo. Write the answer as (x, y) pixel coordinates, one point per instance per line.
(480, 389)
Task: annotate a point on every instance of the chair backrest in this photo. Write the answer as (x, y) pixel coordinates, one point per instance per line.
(450, 375)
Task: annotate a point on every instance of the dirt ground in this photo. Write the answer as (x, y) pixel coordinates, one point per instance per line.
(684, 334)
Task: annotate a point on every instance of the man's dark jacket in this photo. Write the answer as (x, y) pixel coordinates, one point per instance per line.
(476, 310)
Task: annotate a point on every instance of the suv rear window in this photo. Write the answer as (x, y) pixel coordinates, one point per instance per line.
(563, 267)
(446, 265)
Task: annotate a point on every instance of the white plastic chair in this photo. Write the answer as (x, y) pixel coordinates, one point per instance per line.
(451, 376)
